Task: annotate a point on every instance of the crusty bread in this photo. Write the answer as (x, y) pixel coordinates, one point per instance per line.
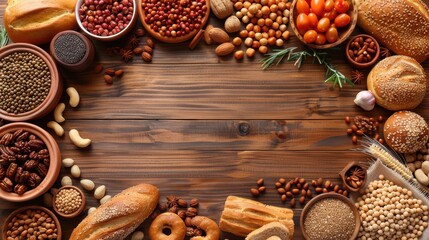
(241, 216)
(38, 21)
(273, 230)
(400, 25)
(406, 132)
(117, 218)
(398, 83)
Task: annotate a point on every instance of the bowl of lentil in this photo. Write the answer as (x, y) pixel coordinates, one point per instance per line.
(31, 222)
(30, 84)
(344, 219)
(106, 20)
(69, 201)
(30, 161)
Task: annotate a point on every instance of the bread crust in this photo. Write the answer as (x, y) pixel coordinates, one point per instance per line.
(274, 230)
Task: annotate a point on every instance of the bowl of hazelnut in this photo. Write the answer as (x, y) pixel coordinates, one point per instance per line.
(323, 24)
(106, 20)
(30, 161)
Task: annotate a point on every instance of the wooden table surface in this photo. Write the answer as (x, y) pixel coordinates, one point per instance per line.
(175, 123)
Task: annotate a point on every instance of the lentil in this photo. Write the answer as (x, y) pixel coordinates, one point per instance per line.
(32, 224)
(70, 48)
(25, 81)
(68, 201)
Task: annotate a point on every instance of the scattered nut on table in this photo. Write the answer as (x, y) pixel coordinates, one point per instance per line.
(91, 210)
(58, 113)
(75, 171)
(56, 127)
(105, 199)
(78, 140)
(100, 192)
(66, 181)
(74, 96)
(87, 184)
(68, 162)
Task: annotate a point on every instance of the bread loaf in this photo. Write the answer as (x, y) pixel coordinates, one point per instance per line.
(274, 230)
(400, 25)
(241, 216)
(38, 21)
(117, 218)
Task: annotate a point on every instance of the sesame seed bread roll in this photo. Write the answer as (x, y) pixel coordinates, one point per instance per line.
(400, 25)
(397, 83)
(406, 132)
(117, 218)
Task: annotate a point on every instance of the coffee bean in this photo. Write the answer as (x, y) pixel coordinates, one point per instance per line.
(254, 192)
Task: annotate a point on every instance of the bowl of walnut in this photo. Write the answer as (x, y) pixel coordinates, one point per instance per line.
(30, 161)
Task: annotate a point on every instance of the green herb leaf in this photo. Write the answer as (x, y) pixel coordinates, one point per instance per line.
(4, 38)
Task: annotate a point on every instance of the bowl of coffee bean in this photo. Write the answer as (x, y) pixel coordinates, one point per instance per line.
(30, 84)
(30, 161)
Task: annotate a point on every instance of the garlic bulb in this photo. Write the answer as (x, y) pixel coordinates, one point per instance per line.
(365, 100)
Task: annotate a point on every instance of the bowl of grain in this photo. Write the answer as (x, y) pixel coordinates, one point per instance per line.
(68, 201)
(30, 84)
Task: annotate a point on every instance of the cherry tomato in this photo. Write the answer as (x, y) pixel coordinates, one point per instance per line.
(342, 20)
(341, 6)
(309, 2)
(329, 5)
(321, 39)
(303, 7)
(318, 6)
(313, 20)
(331, 15)
(310, 36)
(332, 35)
(302, 22)
(323, 25)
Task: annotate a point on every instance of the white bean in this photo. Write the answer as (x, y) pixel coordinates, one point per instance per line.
(74, 96)
(56, 127)
(78, 140)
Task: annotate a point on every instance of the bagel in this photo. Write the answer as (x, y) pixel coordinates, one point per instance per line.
(169, 221)
(208, 226)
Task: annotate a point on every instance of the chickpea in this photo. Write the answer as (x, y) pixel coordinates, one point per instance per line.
(258, 14)
(263, 49)
(238, 5)
(256, 44)
(265, 29)
(247, 4)
(265, 10)
(250, 15)
(250, 52)
(263, 41)
(268, 22)
(257, 29)
(271, 2)
(238, 14)
(248, 42)
(251, 34)
(244, 11)
(239, 54)
(279, 42)
(278, 34)
(244, 33)
(283, 27)
(275, 26)
(286, 35)
(237, 41)
(245, 19)
(271, 33)
(272, 41)
(261, 22)
(282, 6)
(265, 35)
(273, 8)
(249, 27)
(258, 36)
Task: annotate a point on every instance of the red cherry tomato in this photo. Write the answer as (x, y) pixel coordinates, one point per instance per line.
(342, 20)
(302, 22)
(323, 25)
(341, 6)
(329, 5)
(313, 20)
(321, 39)
(318, 6)
(302, 7)
(310, 36)
(332, 35)
(331, 15)
(309, 2)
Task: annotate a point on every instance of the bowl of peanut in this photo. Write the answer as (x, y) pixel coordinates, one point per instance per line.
(362, 51)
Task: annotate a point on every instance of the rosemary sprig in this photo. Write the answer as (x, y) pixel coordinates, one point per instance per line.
(4, 38)
(332, 75)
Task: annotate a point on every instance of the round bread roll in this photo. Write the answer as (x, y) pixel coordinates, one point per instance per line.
(36, 21)
(406, 132)
(398, 83)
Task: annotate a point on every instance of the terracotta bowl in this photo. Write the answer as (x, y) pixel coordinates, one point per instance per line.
(343, 175)
(74, 214)
(313, 201)
(55, 91)
(20, 210)
(343, 33)
(111, 38)
(363, 65)
(87, 58)
(161, 38)
(54, 166)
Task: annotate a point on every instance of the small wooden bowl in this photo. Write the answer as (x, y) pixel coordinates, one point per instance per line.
(363, 65)
(55, 91)
(74, 214)
(343, 175)
(343, 33)
(161, 38)
(54, 165)
(313, 201)
(20, 210)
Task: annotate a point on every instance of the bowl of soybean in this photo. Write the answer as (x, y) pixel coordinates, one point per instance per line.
(30, 84)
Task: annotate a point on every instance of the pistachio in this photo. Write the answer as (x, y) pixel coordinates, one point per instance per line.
(100, 192)
(87, 184)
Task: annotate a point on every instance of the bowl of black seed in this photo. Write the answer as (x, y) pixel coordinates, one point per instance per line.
(72, 50)
(30, 85)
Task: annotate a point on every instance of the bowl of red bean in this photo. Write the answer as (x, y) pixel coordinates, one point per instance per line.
(173, 21)
(106, 20)
(323, 24)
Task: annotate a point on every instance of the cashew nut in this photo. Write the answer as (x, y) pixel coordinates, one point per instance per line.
(74, 96)
(56, 127)
(78, 140)
(58, 113)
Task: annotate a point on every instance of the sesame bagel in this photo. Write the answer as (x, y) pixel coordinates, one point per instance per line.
(397, 83)
(406, 132)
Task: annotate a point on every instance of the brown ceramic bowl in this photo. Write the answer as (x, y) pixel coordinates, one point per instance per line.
(23, 209)
(344, 174)
(54, 166)
(161, 38)
(313, 201)
(55, 91)
(74, 214)
(343, 33)
(362, 65)
(87, 58)
(110, 38)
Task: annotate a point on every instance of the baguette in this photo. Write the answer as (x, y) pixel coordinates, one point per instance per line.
(117, 218)
(242, 216)
(400, 25)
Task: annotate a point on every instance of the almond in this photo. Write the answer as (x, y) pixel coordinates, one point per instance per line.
(138, 51)
(225, 49)
(119, 73)
(218, 35)
(150, 42)
(108, 79)
(87, 184)
(110, 71)
(207, 37)
(146, 57)
(148, 49)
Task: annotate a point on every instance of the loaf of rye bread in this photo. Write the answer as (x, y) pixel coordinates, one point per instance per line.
(400, 25)
(117, 218)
